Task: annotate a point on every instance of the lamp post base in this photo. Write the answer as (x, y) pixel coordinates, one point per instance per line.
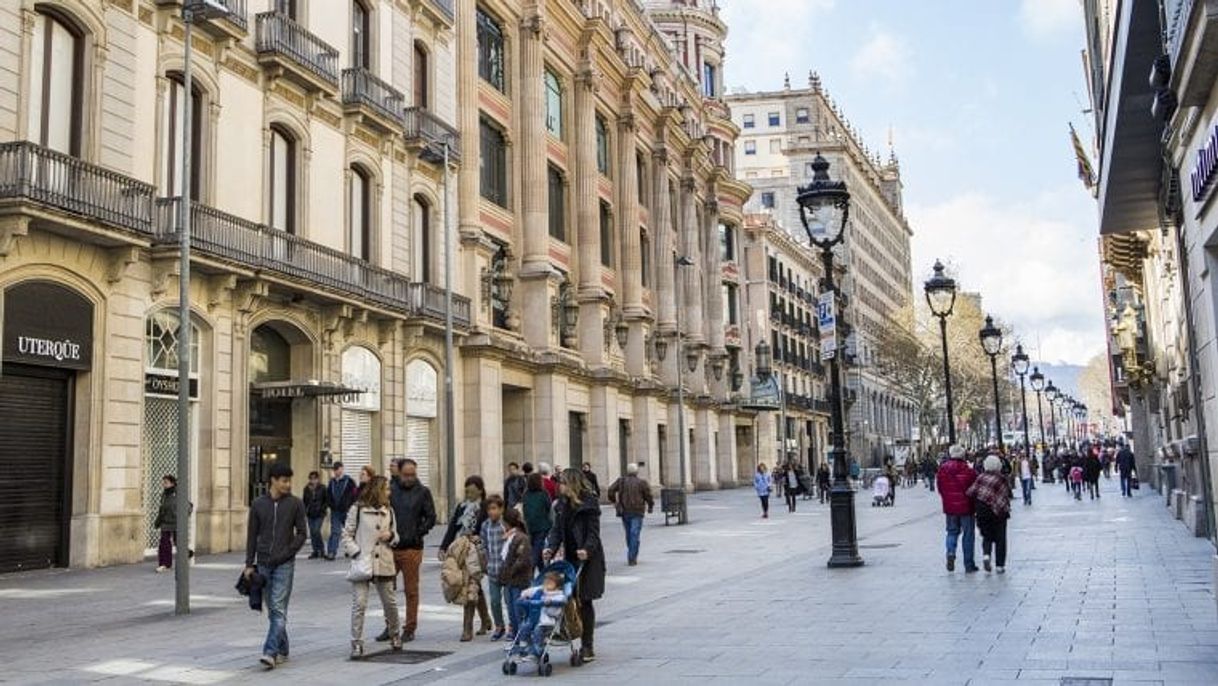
(845, 533)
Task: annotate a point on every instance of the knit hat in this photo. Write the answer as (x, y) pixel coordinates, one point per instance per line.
(956, 452)
(993, 463)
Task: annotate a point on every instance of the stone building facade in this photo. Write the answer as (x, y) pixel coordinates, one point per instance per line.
(781, 133)
(318, 185)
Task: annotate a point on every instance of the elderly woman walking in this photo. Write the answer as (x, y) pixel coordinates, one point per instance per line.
(992, 494)
(367, 538)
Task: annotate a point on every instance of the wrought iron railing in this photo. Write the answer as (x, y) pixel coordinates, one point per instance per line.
(69, 184)
(255, 245)
(362, 87)
(425, 127)
(279, 34)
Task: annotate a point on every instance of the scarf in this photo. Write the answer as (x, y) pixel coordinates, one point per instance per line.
(468, 523)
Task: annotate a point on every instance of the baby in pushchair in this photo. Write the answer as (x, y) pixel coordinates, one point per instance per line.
(541, 611)
(881, 492)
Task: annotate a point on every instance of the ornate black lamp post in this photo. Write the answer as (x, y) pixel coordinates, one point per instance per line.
(1051, 394)
(1038, 385)
(1019, 363)
(991, 343)
(824, 209)
(941, 297)
(1080, 411)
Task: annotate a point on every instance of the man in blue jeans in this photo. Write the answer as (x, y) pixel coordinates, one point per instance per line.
(276, 532)
(341, 491)
(632, 498)
(954, 478)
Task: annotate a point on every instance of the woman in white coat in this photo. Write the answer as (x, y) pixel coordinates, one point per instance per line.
(368, 537)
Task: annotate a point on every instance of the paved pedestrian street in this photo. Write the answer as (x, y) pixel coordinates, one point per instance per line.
(1112, 589)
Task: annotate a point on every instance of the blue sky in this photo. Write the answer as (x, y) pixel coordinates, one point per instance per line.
(978, 95)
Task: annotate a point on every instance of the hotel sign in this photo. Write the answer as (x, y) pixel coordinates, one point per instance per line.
(1205, 168)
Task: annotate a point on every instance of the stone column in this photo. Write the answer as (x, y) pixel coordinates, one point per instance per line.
(690, 247)
(468, 117)
(481, 426)
(602, 434)
(727, 451)
(535, 269)
(662, 221)
(591, 293)
(630, 269)
(703, 462)
(713, 262)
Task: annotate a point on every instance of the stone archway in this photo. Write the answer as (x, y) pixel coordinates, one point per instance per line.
(283, 413)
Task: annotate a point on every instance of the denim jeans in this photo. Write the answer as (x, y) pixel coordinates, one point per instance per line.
(633, 524)
(515, 614)
(277, 592)
(1027, 490)
(319, 547)
(1126, 483)
(539, 544)
(957, 524)
(496, 601)
(337, 521)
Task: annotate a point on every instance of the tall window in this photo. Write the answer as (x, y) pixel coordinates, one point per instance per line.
(422, 73)
(640, 177)
(493, 170)
(359, 229)
(490, 51)
(602, 146)
(56, 57)
(731, 307)
(750, 121)
(708, 80)
(361, 35)
(558, 203)
(774, 119)
(173, 122)
(645, 258)
(727, 243)
(422, 253)
(606, 220)
(750, 147)
(553, 104)
(282, 184)
(801, 115)
(767, 200)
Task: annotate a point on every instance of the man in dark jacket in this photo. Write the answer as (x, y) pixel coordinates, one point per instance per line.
(632, 497)
(316, 502)
(954, 478)
(513, 486)
(592, 480)
(341, 491)
(1125, 466)
(414, 512)
(275, 533)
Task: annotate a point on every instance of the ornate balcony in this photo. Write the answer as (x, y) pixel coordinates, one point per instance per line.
(369, 97)
(67, 193)
(234, 24)
(303, 264)
(427, 133)
(290, 51)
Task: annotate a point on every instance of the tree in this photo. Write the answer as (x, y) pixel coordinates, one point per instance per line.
(1095, 391)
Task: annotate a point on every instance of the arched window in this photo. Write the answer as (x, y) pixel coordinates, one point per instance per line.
(281, 186)
(161, 342)
(422, 71)
(421, 240)
(56, 83)
(173, 123)
(359, 229)
(361, 35)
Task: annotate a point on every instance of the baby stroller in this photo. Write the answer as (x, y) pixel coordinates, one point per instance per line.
(881, 492)
(564, 632)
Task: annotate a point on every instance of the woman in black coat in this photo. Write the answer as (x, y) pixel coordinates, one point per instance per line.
(577, 529)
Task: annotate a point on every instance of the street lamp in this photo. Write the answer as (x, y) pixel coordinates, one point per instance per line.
(1051, 393)
(1019, 363)
(991, 343)
(679, 261)
(1038, 385)
(1084, 431)
(824, 209)
(941, 297)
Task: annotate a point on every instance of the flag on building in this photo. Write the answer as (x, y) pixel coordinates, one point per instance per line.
(1085, 173)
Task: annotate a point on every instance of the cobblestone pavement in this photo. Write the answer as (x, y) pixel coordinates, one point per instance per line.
(1112, 589)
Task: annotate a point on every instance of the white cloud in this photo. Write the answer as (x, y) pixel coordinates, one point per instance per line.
(1046, 17)
(754, 52)
(883, 56)
(1035, 265)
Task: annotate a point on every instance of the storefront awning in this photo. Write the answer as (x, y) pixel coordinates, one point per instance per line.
(328, 391)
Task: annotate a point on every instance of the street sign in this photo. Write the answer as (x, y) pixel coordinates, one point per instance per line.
(826, 315)
(828, 346)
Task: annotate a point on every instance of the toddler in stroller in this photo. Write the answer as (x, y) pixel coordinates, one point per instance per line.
(881, 492)
(542, 624)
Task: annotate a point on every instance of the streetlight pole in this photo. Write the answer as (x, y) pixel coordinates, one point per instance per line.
(1038, 385)
(678, 262)
(991, 343)
(941, 297)
(1019, 363)
(824, 210)
(450, 430)
(1051, 396)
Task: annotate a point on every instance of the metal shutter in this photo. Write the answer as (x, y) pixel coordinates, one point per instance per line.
(418, 445)
(357, 440)
(33, 456)
(160, 458)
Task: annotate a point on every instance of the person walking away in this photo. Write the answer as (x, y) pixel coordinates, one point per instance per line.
(517, 569)
(763, 485)
(1076, 481)
(1125, 467)
(341, 491)
(465, 563)
(791, 486)
(954, 478)
(777, 483)
(536, 511)
(167, 523)
(513, 487)
(593, 482)
(1091, 472)
(890, 471)
(1026, 478)
(991, 494)
(275, 532)
(631, 497)
(577, 534)
(414, 515)
(368, 538)
(492, 538)
(316, 502)
(930, 468)
(548, 482)
(823, 480)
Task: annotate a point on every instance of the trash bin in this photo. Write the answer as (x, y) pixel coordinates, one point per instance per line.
(672, 504)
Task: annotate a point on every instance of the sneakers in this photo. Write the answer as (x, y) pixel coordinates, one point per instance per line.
(951, 563)
(407, 636)
(1002, 570)
(970, 570)
(314, 555)
(586, 654)
(267, 662)
(985, 562)
(383, 636)
(357, 650)
(499, 632)
(162, 569)
(280, 659)
(632, 563)
(396, 643)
